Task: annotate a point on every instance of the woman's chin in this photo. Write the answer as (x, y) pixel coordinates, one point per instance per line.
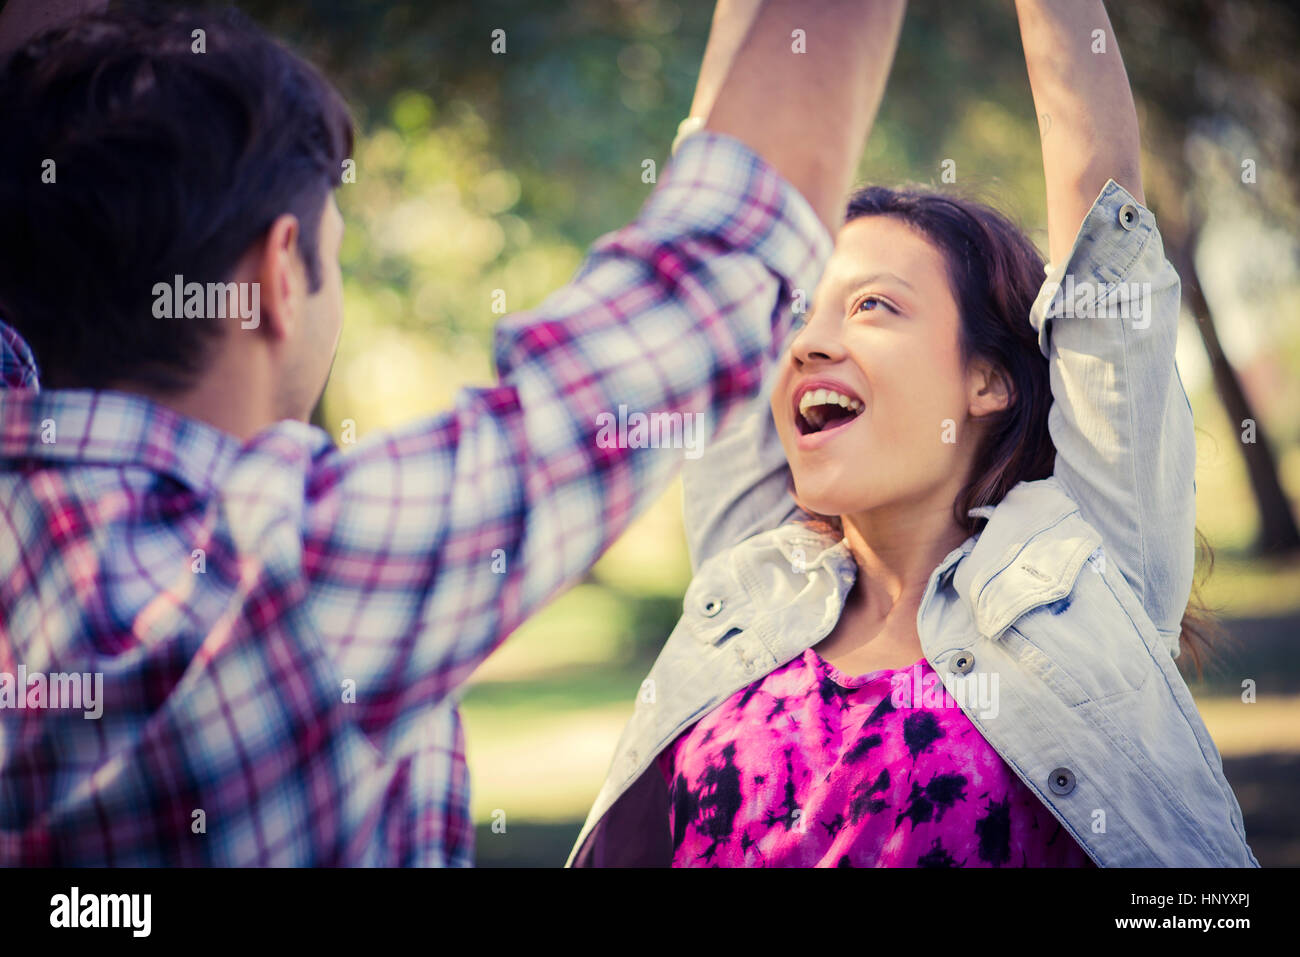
(828, 503)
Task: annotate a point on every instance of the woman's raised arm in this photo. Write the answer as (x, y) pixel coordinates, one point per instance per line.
(1107, 319)
(1085, 110)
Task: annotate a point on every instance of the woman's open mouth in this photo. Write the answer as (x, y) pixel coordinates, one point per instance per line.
(821, 408)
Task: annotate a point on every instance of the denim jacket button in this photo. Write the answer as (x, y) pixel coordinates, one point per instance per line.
(961, 663)
(1061, 781)
(1128, 216)
(712, 607)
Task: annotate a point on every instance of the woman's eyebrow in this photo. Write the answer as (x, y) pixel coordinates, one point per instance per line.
(865, 278)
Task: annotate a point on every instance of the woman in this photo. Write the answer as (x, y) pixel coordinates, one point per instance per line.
(1007, 507)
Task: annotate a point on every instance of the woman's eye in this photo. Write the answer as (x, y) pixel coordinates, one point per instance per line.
(870, 303)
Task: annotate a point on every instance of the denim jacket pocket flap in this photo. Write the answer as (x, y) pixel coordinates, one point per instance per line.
(1040, 572)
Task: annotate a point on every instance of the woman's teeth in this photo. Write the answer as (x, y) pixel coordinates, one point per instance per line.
(813, 403)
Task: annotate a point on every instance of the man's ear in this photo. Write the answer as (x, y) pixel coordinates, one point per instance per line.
(989, 388)
(281, 275)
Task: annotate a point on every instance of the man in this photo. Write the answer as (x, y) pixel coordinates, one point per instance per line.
(272, 631)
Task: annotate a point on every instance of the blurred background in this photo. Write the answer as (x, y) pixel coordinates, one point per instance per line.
(479, 171)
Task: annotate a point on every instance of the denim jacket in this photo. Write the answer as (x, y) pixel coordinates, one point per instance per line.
(1065, 605)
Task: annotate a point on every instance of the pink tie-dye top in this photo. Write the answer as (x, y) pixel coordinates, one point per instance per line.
(811, 767)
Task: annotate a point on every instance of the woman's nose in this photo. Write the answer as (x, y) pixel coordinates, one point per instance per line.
(817, 341)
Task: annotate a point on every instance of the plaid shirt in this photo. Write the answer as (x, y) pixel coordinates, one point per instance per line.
(282, 627)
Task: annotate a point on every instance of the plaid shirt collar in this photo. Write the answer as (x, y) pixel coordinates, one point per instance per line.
(112, 428)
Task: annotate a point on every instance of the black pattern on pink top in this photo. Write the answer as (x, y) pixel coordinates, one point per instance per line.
(811, 767)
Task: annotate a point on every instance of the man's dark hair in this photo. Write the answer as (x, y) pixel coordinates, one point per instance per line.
(165, 161)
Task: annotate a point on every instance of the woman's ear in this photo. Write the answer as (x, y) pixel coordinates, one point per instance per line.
(989, 388)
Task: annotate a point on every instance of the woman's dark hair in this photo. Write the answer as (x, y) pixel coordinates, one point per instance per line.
(142, 143)
(996, 273)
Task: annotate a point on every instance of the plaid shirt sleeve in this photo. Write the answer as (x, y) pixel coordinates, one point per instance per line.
(298, 683)
(427, 546)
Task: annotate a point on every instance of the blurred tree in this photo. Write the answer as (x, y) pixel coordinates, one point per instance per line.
(1219, 88)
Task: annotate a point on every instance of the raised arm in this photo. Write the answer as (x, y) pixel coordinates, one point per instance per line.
(1084, 104)
(444, 536)
(1108, 315)
(740, 486)
(802, 86)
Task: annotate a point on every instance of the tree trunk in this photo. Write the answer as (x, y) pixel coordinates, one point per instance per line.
(1278, 533)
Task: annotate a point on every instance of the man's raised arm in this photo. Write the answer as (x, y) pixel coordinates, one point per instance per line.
(518, 491)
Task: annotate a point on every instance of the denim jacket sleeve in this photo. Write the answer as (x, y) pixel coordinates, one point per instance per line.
(740, 486)
(1107, 319)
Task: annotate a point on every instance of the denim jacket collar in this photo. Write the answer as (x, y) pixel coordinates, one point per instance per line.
(1013, 565)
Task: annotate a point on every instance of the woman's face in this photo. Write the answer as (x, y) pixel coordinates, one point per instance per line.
(893, 427)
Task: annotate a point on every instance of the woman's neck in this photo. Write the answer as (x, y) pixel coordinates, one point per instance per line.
(896, 551)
